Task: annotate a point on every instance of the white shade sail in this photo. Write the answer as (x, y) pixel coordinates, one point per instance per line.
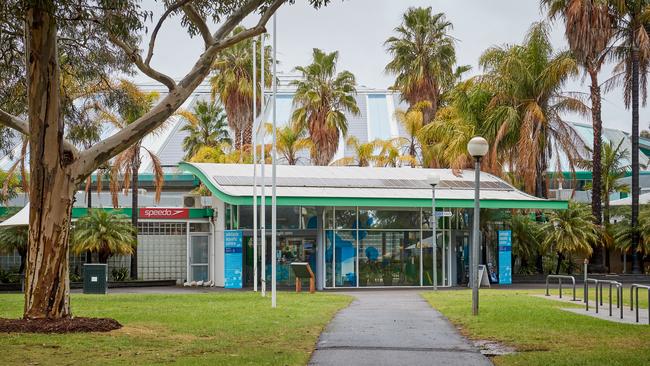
(21, 218)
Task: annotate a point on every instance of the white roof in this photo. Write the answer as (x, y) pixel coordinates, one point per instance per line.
(356, 182)
(21, 218)
(627, 201)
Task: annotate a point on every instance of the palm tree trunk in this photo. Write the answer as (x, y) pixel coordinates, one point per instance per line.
(636, 268)
(560, 258)
(135, 168)
(540, 177)
(598, 256)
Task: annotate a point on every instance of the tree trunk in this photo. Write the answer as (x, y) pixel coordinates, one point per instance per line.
(52, 187)
(135, 168)
(560, 258)
(598, 257)
(636, 269)
(540, 177)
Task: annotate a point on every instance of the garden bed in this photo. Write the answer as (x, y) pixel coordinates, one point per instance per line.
(65, 325)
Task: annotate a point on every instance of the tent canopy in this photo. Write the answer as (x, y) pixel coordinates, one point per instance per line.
(21, 218)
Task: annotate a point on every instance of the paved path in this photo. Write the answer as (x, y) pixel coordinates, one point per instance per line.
(393, 328)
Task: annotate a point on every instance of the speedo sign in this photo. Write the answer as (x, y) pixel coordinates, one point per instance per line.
(164, 213)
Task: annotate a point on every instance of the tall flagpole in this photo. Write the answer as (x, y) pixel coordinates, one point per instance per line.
(263, 153)
(254, 166)
(274, 238)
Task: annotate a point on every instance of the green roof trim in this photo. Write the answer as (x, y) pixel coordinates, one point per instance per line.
(373, 202)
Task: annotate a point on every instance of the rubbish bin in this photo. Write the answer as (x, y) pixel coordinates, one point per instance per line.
(95, 278)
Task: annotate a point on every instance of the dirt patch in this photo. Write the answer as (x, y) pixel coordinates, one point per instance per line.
(492, 348)
(66, 325)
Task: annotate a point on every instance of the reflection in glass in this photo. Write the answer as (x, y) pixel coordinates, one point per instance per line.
(389, 219)
(389, 258)
(344, 257)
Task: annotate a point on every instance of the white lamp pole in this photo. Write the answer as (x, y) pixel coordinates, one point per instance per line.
(477, 148)
(254, 166)
(433, 180)
(263, 153)
(274, 238)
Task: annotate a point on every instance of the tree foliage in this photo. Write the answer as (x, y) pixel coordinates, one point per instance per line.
(105, 233)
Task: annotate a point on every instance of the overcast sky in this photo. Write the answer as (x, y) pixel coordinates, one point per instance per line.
(358, 29)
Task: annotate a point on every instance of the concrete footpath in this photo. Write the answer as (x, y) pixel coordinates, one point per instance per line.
(393, 328)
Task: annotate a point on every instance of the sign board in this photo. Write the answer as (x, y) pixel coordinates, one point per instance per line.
(444, 214)
(163, 213)
(505, 257)
(233, 259)
(483, 279)
(301, 269)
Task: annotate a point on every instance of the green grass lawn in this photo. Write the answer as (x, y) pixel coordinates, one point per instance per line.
(190, 329)
(542, 333)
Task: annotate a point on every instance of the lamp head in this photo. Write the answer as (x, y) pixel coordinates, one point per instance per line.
(433, 179)
(478, 147)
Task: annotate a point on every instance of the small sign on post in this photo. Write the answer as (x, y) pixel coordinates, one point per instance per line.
(303, 270)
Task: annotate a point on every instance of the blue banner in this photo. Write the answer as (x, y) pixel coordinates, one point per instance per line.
(505, 257)
(233, 259)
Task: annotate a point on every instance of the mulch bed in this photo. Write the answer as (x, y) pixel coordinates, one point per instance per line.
(66, 325)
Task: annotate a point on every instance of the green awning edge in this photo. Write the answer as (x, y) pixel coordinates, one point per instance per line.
(373, 202)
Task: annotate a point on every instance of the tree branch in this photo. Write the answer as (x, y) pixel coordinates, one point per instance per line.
(92, 158)
(199, 23)
(134, 55)
(14, 122)
(162, 19)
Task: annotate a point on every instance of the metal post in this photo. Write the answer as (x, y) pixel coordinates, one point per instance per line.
(254, 166)
(263, 157)
(610, 299)
(274, 238)
(434, 243)
(475, 238)
(586, 286)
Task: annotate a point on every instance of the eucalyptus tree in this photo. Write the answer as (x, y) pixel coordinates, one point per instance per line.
(232, 83)
(207, 126)
(321, 99)
(423, 58)
(96, 39)
(588, 29)
(526, 112)
(632, 52)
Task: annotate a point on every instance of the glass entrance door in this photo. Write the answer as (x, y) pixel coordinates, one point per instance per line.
(198, 257)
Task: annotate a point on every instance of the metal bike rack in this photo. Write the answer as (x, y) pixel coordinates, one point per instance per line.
(636, 286)
(619, 294)
(586, 297)
(559, 278)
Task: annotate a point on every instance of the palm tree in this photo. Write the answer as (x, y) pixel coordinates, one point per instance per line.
(322, 97)
(130, 103)
(391, 153)
(423, 58)
(290, 140)
(588, 28)
(206, 127)
(364, 152)
(233, 84)
(105, 233)
(412, 120)
(15, 239)
(612, 158)
(526, 239)
(526, 111)
(570, 231)
(464, 117)
(633, 55)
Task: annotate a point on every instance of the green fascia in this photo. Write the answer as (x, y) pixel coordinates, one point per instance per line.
(194, 213)
(373, 202)
(148, 177)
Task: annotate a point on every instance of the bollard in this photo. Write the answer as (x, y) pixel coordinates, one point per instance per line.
(586, 286)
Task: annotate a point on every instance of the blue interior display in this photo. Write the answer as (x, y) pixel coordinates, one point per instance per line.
(505, 257)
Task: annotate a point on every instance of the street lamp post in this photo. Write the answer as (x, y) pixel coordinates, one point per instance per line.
(433, 180)
(477, 148)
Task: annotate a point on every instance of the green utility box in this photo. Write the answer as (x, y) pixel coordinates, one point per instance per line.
(95, 278)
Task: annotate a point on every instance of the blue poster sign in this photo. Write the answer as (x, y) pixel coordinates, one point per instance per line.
(233, 258)
(505, 257)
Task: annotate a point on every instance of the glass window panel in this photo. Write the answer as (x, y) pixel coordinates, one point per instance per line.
(389, 219)
(379, 119)
(344, 257)
(345, 218)
(329, 218)
(197, 227)
(309, 218)
(199, 249)
(427, 256)
(389, 258)
(288, 217)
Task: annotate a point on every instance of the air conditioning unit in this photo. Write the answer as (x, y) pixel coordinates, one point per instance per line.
(192, 201)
